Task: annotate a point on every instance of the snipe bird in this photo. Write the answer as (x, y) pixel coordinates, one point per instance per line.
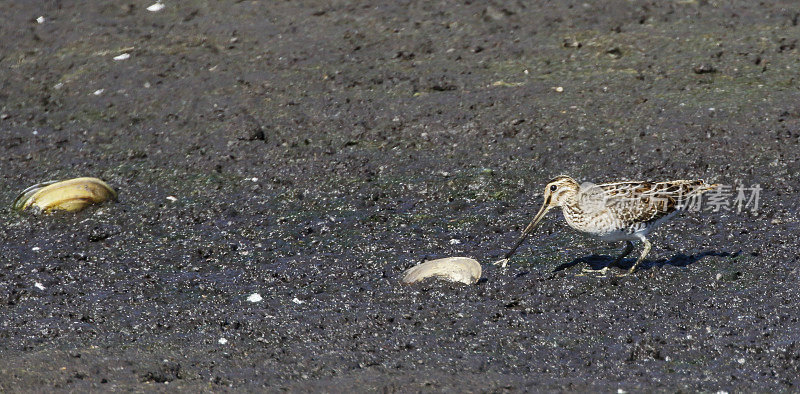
(621, 211)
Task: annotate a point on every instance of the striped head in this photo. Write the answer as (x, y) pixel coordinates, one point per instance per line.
(559, 191)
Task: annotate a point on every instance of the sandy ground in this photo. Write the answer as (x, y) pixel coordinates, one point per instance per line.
(317, 149)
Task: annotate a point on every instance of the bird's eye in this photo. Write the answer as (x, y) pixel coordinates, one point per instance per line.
(553, 188)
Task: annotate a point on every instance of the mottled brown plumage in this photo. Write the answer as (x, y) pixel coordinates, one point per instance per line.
(622, 211)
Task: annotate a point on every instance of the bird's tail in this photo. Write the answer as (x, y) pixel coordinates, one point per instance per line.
(700, 186)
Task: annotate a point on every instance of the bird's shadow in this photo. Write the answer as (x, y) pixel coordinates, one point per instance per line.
(597, 262)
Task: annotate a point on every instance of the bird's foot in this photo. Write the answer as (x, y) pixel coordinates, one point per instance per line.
(601, 272)
(626, 273)
(502, 263)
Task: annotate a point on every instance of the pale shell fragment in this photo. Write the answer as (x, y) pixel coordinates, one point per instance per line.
(70, 195)
(454, 269)
(156, 7)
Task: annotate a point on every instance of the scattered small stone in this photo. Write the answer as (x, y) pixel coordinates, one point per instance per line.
(255, 297)
(298, 301)
(172, 198)
(39, 285)
(454, 269)
(158, 6)
(40, 20)
(248, 128)
(455, 241)
(704, 69)
(222, 341)
(98, 92)
(492, 13)
(559, 89)
(36, 248)
(122, 57)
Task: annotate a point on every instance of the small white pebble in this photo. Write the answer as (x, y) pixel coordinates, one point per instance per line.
(98, 92)
(122, 57)
(39, 286)
(222, 341)
(255, 297)
(172, 198)
(58, 86)
(455, 241)
(740, 361)
(254, 179)
(718, 276)
(526, 72)
(621, 391)
(36, 248)
(40, 20)
(559, 89)
(156, 7)
(298, 301)
(722, 392)
(147, 84)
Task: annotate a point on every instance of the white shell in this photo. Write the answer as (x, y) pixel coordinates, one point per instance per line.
(156, 7)
(455, 269)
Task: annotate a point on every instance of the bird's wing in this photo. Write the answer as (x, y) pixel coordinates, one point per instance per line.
(648, 201)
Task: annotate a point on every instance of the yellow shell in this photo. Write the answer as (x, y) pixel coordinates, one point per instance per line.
(71, 195)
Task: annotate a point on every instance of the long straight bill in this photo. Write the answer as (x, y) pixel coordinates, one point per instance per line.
(531, 227)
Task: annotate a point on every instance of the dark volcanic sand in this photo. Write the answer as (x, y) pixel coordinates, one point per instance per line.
(391, 128)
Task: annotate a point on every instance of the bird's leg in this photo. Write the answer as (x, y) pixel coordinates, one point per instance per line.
(646, 250)
(628, 249)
